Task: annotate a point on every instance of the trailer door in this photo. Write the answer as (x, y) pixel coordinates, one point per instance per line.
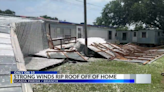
(79, 32)
(134, 37)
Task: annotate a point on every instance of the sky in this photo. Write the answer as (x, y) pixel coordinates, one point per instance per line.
(69, 10)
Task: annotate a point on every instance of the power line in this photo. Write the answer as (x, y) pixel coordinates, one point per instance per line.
(89, 3)
(80, 6)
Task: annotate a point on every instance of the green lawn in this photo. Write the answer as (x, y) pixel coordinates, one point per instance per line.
(108, 67)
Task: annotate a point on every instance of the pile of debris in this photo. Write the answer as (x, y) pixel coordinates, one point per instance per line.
(128, 52)
(97, 47)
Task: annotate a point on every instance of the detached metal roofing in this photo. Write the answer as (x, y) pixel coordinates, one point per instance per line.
(7, 57)
(7, 62)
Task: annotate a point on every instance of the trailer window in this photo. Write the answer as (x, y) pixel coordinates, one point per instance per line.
(124, 36)
(67, 33)
(59, 33)
(143, 34)
(79, 33)
(134, 34)
(109, 35)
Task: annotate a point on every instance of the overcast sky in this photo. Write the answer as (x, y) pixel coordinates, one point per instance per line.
(69, 10)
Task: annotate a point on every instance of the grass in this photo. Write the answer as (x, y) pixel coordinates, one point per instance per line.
(108, 67)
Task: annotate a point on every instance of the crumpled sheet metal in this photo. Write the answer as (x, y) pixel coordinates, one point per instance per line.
(128, 52)
(60, 55)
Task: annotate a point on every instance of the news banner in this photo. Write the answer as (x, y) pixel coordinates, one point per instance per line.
(53, 77)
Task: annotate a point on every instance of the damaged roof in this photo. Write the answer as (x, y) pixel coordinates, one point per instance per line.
(7, 61)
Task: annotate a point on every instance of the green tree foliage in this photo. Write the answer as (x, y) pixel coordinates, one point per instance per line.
(112, 15)
(48, 17)
(0, 11)
(8, 11)
(122, 12)
(98, 21)
(139, 26)
(122, 29)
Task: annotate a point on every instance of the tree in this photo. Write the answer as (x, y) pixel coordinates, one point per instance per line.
(112, 15)
(122, 12)
(98, 21)
(122, 29)
(155, 13)
(48, 17)
(1, 11)
(8, 11)
(138, 27)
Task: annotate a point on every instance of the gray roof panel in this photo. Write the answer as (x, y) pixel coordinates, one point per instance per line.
(5, 82)
(6, 46)
(7, 60)
(7, 68)
(6, 52)
(4, 35)
(4, 29)
(5, 41)
(13, 89)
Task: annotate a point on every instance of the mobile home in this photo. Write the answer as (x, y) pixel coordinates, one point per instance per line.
(66, 30)
(145, 37)
(124, 36)
(152, 37)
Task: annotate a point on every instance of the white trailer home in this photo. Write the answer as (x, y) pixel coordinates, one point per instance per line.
(66, 29)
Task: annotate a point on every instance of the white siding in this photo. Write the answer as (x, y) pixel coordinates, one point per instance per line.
(102, 33)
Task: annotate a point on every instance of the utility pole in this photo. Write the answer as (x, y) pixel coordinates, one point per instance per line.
(85, 27)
